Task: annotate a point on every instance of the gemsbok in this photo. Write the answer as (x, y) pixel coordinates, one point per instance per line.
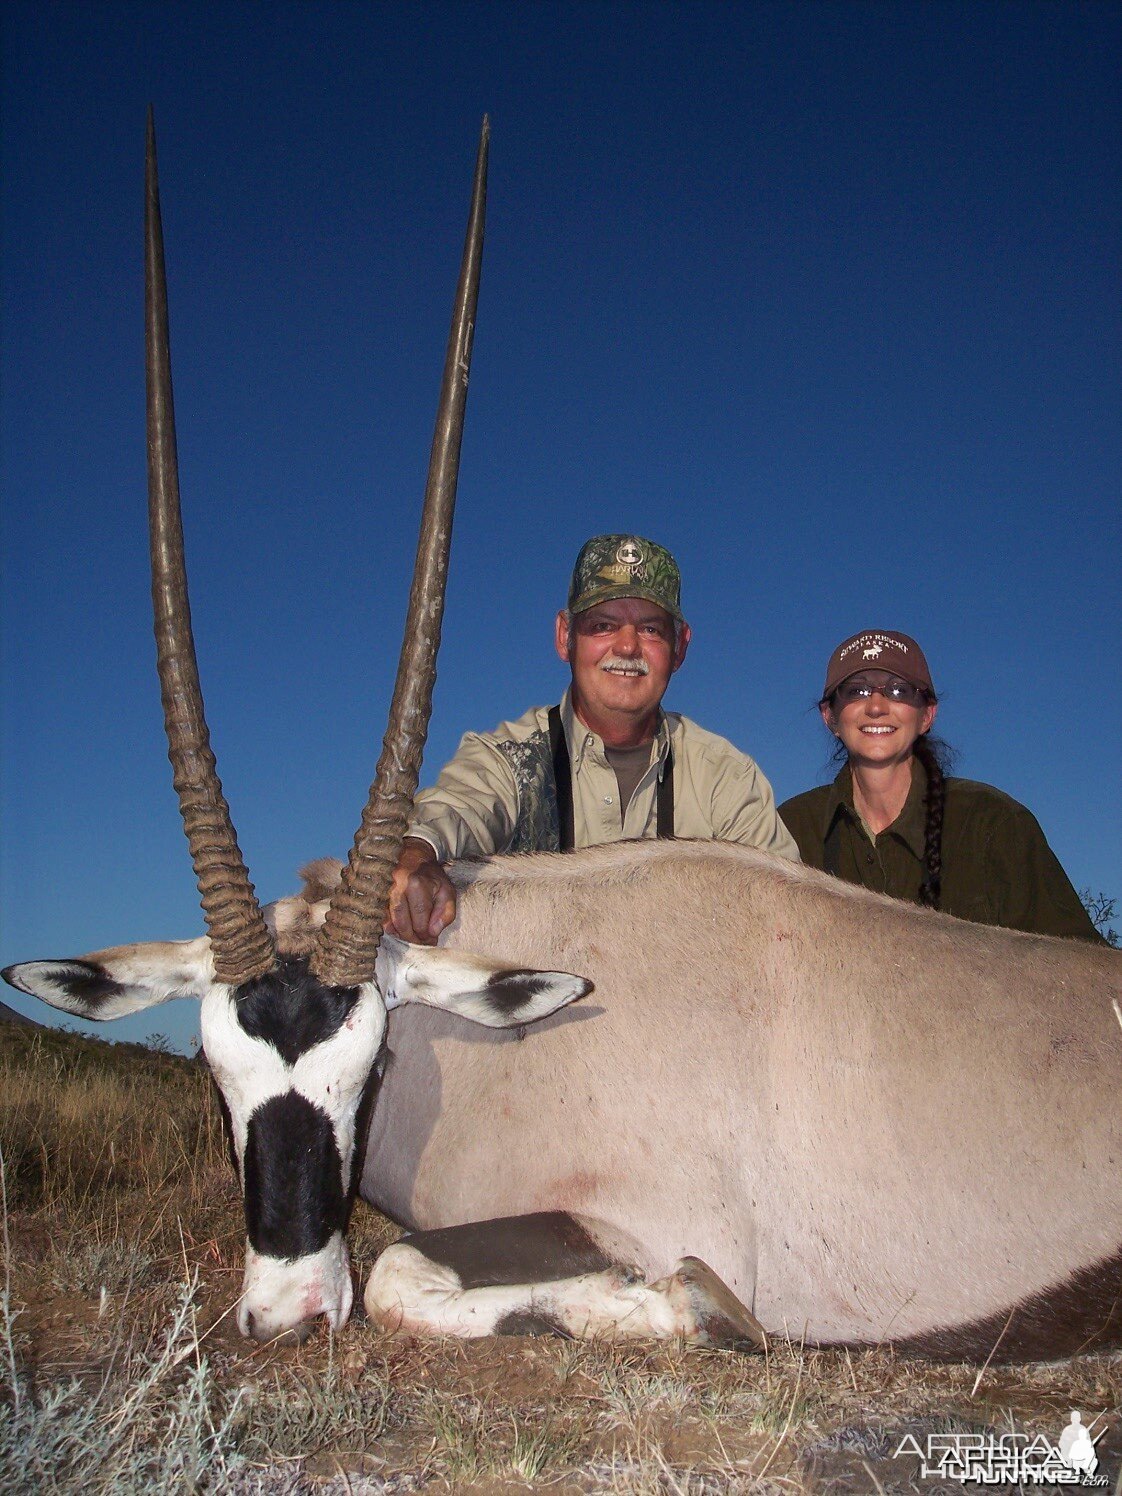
(787, 1106)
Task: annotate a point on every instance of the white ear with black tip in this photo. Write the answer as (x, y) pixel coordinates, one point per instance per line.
(483, 991)
(125, 979)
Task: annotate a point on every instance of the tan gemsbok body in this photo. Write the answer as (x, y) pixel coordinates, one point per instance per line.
(873, 1123)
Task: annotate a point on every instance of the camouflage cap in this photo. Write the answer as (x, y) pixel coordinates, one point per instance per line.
(878, 649)
(611, 566)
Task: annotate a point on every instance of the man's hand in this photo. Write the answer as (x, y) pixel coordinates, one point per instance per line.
(422, 899)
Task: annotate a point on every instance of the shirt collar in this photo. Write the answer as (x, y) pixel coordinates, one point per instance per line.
(582, 740)
(910, 826)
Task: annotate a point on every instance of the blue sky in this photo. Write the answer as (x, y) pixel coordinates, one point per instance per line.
(824, 297)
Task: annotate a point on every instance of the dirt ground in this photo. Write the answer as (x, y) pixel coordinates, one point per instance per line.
(375, 1412)
(122, 1369)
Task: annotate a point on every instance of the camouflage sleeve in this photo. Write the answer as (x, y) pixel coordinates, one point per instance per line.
(471, 809)
(744, 809)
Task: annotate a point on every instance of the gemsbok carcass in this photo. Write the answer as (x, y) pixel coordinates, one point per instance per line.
(786, 1103)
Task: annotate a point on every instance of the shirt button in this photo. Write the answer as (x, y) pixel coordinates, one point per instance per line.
(607, 799)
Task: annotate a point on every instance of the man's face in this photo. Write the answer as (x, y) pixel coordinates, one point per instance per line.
(622, 656)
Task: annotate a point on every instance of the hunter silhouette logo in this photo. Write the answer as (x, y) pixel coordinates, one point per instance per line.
(1009, 1459)
(1077, 1448)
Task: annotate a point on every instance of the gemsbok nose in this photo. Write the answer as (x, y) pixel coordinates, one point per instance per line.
(287, 1300)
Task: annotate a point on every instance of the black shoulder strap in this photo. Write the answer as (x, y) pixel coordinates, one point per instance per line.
(562, 779)
(563, 782)
(664, 812)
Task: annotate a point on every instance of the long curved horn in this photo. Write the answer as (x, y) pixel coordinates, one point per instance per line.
(348, 942)
(238, 934)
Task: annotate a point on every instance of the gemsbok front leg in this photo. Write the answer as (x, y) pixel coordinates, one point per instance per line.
(551, 1273)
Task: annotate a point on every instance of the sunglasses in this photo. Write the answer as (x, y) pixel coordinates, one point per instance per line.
(860, 688)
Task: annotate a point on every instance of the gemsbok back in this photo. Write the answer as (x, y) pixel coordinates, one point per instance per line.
(789, 1106)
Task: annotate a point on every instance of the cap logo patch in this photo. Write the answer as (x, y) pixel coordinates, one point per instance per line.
(630, 555)
(613, 575)
(872, 645)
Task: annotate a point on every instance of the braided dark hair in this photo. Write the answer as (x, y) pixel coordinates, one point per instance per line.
(935, 802)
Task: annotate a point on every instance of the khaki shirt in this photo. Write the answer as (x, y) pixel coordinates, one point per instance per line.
(719, 793)
(997, 867)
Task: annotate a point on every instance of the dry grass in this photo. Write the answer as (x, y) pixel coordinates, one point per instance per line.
(82, 1121)
(122, 1370)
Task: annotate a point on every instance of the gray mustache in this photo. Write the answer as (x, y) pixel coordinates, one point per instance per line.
(616, 666)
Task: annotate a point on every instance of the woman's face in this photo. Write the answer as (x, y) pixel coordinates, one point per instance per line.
(878, 717)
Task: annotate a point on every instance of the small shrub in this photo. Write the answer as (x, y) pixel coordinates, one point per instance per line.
(471, 1444)
(116, 1266)
(1101, 910)
(304, 1413)
(631, 1394)
(156, 1423)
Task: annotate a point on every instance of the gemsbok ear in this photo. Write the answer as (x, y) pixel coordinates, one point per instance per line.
(124, 979)
(475, 988)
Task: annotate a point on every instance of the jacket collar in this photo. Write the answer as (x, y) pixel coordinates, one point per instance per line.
(582, 740)
(910, 826)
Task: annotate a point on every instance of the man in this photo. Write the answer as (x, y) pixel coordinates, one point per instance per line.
(607, 765)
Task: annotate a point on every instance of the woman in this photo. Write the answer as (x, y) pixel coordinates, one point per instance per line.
(894, 821)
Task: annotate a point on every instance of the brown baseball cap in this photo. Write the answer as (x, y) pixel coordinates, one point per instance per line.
(878, 649)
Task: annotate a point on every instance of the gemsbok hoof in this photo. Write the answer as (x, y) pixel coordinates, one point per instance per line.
(721, 1319)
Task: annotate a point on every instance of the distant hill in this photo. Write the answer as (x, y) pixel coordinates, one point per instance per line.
(62, 1051)
(9, 1015)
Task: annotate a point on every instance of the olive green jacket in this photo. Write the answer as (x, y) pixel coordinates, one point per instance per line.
(997, 867)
